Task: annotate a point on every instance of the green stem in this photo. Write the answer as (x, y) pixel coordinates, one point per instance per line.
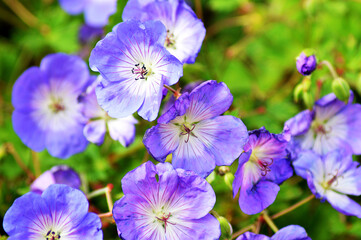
(97, 193)
(269, 221)
(330, 68)
(293, 207)
(175, 92)
(243, 230)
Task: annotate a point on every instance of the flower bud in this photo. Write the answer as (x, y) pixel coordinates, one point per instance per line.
(308, 99)
(341, 89)
(228, 179)
(304, 86)
(226, 228)
(306, 62)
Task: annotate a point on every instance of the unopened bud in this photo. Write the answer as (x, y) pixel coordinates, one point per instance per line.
(226, 228)
(308, 99)
(228, 179)
(341, 89)
(306, 62)
(304, 86)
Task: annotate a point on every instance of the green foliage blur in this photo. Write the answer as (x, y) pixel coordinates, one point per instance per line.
(250, 45)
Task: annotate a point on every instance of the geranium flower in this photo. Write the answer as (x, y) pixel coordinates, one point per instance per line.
(135, 66)
(185, 32)
(60, 213)
(262, 167)
(163, 203)
(47, 112)
(194, 133)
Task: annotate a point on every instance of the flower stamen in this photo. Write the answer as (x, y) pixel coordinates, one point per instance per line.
(140, 72)
(51, 235)
(188, 131)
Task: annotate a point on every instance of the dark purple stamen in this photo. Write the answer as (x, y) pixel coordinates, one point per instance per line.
(264, 166)
(140, 72)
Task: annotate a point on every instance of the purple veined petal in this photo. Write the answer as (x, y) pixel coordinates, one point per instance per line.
(61, 69)
(252, 236)
(161, 140)
(258, 198)
(123, 130)
(91, 107)
(207, 227)
(224, 136)
(89, 228)
(179, 108)
(343, 204)
(28, 130)
(42, 182)
(208, 100)
(350, 182)
(238, 176)
(292, 232)
(18, 217)
(196, 200)
(309, 164)
(329, 106)
(58, 195)
(117, 99)
(97, 13)
(65, 144)
(73, 7)
(25, 86)
(281, 170)
(94, 131)
(300, 123)
(194, 156)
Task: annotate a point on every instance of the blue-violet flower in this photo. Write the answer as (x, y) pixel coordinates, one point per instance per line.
(194, 133)
(60, 213)
(135, 65)
(47, 112)
(163, 203)
(306, 64)
(291, 232)
(263, 165)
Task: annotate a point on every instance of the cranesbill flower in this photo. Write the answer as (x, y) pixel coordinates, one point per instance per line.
(61, 174)
(332, 177)
(96, 12)
(332, 124)
(163, 203)
(262, 167)
(61, 212)
(121, 129)
(47, 112)
(292, 232)
(306, 63)
(87, 34)
(135, 66)
(194, 133)
(185, 32)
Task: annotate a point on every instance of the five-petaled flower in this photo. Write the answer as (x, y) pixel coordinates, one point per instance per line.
(135, 65)
(263, 165)
(60, 213)
(161, 202)
(47, 111)
(331, 177)
(185, 32)
(194, 133)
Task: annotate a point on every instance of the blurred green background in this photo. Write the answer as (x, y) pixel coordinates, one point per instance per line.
(250, 45)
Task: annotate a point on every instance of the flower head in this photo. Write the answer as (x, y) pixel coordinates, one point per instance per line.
(332, 177)
(332, 124)
(96, 12)
(292, 232)
(60, 174)
(306, 64)
(262, 167)
(194, 133)
(163, 203)
(47, 112)
(61, 212)
(135, 66)
(120, 129)
(185, 32)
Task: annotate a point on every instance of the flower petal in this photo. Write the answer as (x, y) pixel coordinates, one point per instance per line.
(123, 130)
(98, 11)
(291, 232)
(343, 204)
(94, 131)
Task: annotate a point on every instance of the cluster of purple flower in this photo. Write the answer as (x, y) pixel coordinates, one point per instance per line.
(60, 107)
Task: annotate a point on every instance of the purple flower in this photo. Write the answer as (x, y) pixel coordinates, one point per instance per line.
(121, 129)
(47, 112)
(262, 167)
(163, 203)
(292, 232)
(135, 66)
(185, 32)
(306, 64)
(60, 174)
(332, 177)
(96, 12)
(194, 133)
(61, 212)
(332, 124)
